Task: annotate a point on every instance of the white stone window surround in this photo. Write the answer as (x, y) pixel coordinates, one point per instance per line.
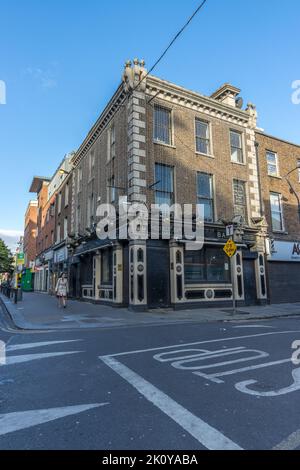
(270, 153)
(211, 146)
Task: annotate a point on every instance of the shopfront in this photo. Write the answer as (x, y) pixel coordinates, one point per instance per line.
(59, 265)
(205, 277)
(284, 271)
(96, 272)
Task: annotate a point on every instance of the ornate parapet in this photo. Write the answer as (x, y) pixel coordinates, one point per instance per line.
(134, 76)
(253, 115)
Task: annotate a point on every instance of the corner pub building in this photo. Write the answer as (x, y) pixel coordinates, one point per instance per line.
(156, 142)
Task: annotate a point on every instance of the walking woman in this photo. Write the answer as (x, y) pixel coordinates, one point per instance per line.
(62, 289)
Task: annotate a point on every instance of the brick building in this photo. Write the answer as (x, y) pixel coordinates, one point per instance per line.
(44, 233)
(156, 142)
(50, 244)
(62, 186)
(30, 233)
(279, 167)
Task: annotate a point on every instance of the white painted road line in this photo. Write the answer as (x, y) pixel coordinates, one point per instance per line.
(12, 422)
(290, 443)
(18, 347)
(254, 326)
(219, 340)
(205, 434)
(294, 387)
(213, 377)
(32, 357)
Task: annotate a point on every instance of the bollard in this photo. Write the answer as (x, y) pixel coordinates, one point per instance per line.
(15, 296)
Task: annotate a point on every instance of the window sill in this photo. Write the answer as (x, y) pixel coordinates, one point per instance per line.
(275, 176)
(238, 163)
(200, 154)
(280, 232)
(157, 142)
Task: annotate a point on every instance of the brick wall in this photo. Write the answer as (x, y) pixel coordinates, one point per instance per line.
(187, 162)
(30, 234)
(288, 154)
(45, 220)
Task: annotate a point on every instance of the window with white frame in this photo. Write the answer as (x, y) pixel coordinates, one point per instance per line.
(91, 209)
(272, 162)
(111, 187)
(164, 184)
(205, 195)
(91, 164)
(239, 199)
(202, 137)
(162, 125)
(59, 203)
(236, 144)
(67, 190)
(65, 228)
(276, 212)
(79, 179)
(58, 233)
(78, 219)
(111, 143)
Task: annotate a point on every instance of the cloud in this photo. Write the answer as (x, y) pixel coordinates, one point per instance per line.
(11, 238)
(45, 78)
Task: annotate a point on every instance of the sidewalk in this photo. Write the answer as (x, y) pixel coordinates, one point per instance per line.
(40, 312)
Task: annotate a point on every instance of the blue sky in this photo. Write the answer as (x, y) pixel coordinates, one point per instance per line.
(62, 59)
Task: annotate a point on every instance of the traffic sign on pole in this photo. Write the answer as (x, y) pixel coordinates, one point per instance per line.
(230, 248)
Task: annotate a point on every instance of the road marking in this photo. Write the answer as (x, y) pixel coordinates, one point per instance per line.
(200, 353)
(32, 357)
(219, 340)
(243, 387)
(213, 377)
(254, 326)
(206, 435)
(257, 355)
(12, 422)
(18, 347)
(292, 442)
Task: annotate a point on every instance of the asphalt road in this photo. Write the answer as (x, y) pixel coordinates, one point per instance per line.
(206, 386)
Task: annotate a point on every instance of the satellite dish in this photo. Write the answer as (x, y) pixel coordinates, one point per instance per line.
(239, 102)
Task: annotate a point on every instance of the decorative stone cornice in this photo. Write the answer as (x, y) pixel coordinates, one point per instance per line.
(116, 102)
(192, 100)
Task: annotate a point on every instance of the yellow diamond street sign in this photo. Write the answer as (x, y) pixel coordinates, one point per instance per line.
(230, 248)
